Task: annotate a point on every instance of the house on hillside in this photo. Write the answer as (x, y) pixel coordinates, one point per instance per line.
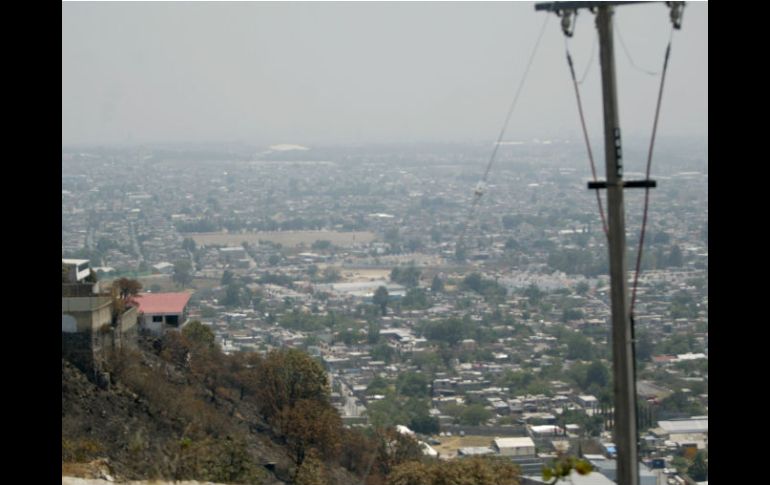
(161, 312)
(93, 321)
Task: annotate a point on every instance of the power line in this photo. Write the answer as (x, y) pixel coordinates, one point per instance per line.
(585, 135)
(647, 189)
(479, 190)
(590, 61)
(628, 55)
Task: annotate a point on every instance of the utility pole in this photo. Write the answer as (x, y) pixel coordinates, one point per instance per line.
(622, 344)
(624, 416)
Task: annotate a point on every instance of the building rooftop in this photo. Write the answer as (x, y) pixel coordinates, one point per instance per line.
(514, 442)
(682, 426)
(162, 302)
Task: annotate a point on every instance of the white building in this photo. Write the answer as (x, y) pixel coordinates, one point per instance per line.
(523, 446)
(163, 267)
(77, 269)
(546, 430)
(588, 402)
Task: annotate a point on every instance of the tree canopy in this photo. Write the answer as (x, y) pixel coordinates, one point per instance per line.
(381, 298)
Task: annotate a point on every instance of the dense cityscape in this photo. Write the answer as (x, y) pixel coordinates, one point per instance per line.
(477, 328)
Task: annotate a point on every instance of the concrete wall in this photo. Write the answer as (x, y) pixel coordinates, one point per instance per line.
(90, 313)
(87, 330)
(128, 328)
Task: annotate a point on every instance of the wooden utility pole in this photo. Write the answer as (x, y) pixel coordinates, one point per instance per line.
(624, 416)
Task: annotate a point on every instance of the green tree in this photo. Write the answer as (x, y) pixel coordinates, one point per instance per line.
(182, 273)
(311, 472)
(411, 473)
(331, 275)
(188, 244)
(357, 451)
(408, 276)
(415, 298)
(423, 423)
(675, 257)
(373, 333)
(232, 295)
(227, 277)
(598, 375)
(412, 384)
(679, 403)
(579, 347)
(534, 294)
(699, 470)
(380, 298)
(383, 352)
(199, 335)
(309, 424)
(387, 412)
(474, 415)
(451, 330)
(321, 245)
(570, 314)
(680, 463)
(561, 468)
(123, 291)
(287, 376)
(437, 285)
(126, 288)
(378, 385)
(467, 471)
(312, 271)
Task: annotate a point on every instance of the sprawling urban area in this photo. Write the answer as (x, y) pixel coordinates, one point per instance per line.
(472, 315)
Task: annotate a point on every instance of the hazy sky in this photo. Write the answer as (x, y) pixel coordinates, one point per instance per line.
(331, 72)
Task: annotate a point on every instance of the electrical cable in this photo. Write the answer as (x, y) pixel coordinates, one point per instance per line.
(585, 136)
(649, 166)
(590, 61)
(628, 55)
(479, 191)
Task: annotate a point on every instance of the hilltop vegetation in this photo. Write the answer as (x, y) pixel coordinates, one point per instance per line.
(180, 409)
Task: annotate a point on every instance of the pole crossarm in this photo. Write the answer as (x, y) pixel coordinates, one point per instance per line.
(629, 184)
(558, 6)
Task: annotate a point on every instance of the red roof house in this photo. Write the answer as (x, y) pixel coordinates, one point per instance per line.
(162, 311)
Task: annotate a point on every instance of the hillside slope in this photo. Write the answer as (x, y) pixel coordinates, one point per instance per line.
(156, 421)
